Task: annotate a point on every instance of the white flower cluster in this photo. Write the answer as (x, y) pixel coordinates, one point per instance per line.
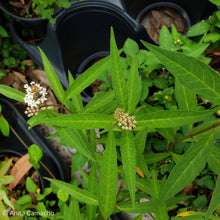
(35, 94)
(125, 121)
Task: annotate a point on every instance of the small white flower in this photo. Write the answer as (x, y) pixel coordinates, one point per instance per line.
(35, 94)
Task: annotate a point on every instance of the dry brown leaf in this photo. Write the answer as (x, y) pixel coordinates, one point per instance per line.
(21, 167)
(217, 53)
(16, 85)
(51, 99)
(189, 188)
(8, 80)
(28, 62)
(38, 75)
(16, 4)
(20, 76)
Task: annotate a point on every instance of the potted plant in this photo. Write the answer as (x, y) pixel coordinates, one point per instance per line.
(194, 13)
(72, 48)
(34, 151)
(145, 139)
(35, 14)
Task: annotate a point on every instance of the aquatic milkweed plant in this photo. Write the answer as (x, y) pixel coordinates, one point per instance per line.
(125, 121)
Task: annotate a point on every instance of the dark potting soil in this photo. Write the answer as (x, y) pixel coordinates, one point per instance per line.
(20, 9)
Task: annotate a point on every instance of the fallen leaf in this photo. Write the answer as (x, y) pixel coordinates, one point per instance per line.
(38, 75)
(16, 4)
(8, 80)
(20, 76)
(28, 63)
(188, 189)
(21, 167)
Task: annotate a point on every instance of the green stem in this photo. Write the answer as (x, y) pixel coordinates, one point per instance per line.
(194, 134)
(60, 106)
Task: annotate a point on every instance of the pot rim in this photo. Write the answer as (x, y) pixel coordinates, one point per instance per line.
(96, 6)
(165, 4)
(21, 18)
(85, 96)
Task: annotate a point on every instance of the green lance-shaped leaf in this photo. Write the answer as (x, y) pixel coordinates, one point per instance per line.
(132, 85)
(93, 188)
(154, 158)
(42, 116)
(215, 199)
(52, 77)
(80, 120)
(172, 203)
(73, 211)
(140, 142)
(128, 156)
(12, 93)
(108, 178)
(168, 133)
(214, 160)
(118, 79)
(172, 118)
(87, 78)
(75, 138)
(187, 168)
(81, 195)
(100, 101)
(138, 208)
(160, 211)
(186, 99)
(191, 72)
(144, 185)
(76, 103)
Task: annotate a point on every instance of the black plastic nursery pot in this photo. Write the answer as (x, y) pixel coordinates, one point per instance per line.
(20, 137)
(196, 10)
(37, 25)
(82, 32)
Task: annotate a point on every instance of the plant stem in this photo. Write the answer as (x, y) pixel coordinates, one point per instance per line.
(194, 134)
(60, 106)
(26, 146)
(151, 216)
(119, 189)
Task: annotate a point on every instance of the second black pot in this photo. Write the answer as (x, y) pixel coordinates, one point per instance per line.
(80, 32)
(37, 25)
(21, 136)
